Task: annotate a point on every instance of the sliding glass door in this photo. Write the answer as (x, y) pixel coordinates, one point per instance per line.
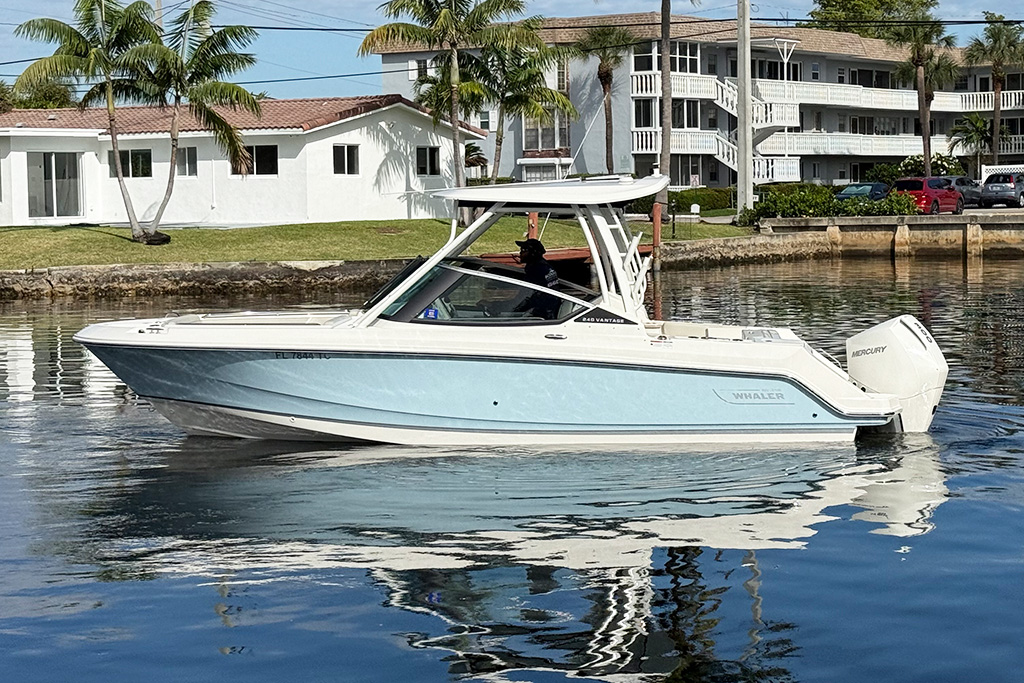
(53, 184)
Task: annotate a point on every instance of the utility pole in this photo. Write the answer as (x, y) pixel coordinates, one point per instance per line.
(744, 133)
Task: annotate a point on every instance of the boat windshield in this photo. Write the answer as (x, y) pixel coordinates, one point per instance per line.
(476, 292)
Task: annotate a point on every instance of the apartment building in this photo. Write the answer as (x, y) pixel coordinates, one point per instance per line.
(826, 105)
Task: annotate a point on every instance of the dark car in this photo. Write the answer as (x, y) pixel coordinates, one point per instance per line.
(933, 195)
(1003, 188)
(970, 189)
(864, 191)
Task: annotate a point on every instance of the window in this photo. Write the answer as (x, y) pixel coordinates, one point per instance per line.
(842, 123)
(551, 132)
(842, 172)
(841, 75)
(135, 163)
(187, 161)
(485, 119)
(53, 186)
(684, 57)
(346, 159)
(263, 160)
(713, 117)
(686, 114)
(815, 71)
(421, 68)
(643, 57)
(961, 82)
(817, 121)
(713, 171)
(984, 84)
(428, 161)
(535, 173)
(1013, 82)
(562, 75)
(772, 69)
(815, 170)
(712, 64)
(643, 113)
(684, 170)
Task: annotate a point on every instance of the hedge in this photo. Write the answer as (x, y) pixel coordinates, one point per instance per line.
(817, 201)
(679, 202)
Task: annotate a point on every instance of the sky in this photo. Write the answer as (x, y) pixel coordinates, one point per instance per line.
(290, 54)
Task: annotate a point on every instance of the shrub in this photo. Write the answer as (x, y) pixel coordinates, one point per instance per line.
(679, 202)
(883, 173)
(942, 164)
(817, 201)
(501, 180)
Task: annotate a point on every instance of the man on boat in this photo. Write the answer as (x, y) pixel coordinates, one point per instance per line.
(538, 272)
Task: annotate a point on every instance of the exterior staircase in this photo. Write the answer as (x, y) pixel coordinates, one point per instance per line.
(766, 118)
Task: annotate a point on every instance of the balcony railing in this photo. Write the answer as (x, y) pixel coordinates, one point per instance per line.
(879, 98)
(692, 86)
(841, 144)
(648, 141)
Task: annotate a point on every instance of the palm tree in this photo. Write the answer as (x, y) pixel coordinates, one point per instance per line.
(474, 156)
(94, 49)
(515, 81)
(1001, 47)
(609, 44)
(451, 26)
(188, 69)
(923, 37)
(971, 133)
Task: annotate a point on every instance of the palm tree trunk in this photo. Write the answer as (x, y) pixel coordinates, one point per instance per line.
(665, 161)
(997, 90)
(138, 234)
(460, 172)
(926, 122)
(609, 156)
(499, 139)
(174, 167)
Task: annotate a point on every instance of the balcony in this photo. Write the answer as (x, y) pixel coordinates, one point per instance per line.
(848, 144)
(690, 86)
(859, 97)
(648, 141)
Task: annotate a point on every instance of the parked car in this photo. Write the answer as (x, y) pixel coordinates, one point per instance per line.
(933, 195)
(864, 191)
(969, 188)
(1003, 188)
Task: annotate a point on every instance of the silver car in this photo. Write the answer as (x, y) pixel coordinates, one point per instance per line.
(1003, 188)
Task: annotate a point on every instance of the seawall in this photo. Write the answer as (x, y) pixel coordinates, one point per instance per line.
(780, 239)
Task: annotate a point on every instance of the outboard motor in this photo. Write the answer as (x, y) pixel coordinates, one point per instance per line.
(900, 357)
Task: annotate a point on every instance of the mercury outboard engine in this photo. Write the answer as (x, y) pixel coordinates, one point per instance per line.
(900, 357)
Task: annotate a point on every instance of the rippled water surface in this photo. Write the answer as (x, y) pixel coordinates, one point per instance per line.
(131, 552)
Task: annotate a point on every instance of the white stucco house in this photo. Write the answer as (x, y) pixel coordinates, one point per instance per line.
(321, 159)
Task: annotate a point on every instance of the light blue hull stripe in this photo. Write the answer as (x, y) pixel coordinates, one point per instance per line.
(450, 393)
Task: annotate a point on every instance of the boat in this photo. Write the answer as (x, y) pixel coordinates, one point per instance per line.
(452, 352)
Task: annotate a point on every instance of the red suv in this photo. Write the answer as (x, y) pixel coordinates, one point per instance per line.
(933, 195)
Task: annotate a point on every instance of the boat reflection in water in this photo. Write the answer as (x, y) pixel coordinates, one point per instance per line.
(604, 564)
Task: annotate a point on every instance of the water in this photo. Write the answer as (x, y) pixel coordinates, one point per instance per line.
(131, 552)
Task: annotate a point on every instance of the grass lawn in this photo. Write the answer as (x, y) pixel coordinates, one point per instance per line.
(40, 247)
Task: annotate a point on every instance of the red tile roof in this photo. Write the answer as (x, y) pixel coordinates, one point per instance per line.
(303, 114)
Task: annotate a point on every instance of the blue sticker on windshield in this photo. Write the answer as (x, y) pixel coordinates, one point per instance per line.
(430, 313)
